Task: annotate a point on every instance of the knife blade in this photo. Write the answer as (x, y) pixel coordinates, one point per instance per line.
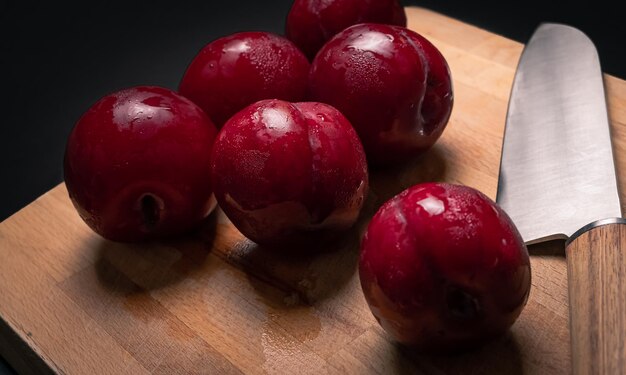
(558, 181)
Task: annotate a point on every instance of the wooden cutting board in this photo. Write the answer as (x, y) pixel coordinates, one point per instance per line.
(214, 302)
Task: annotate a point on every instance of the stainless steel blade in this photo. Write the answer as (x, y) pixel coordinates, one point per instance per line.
(557, 171)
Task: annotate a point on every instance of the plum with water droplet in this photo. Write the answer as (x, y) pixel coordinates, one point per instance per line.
(443, 267)
(237, 70)
(137, 165)
(289, 174)
(392, 84)
(311, 23)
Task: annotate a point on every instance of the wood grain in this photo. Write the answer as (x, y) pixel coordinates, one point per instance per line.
(214, 302)
(597, 291)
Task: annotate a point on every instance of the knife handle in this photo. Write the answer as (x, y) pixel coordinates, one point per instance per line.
(596, 270)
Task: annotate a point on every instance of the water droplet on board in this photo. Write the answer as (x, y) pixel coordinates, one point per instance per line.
(284, 338)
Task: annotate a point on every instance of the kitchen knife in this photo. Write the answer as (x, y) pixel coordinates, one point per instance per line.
(558, 180)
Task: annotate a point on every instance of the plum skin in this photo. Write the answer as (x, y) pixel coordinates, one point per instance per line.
(442, 267)
(137, 165)
(237, 70)
(289, 174)
(392, 84)
(311, 23)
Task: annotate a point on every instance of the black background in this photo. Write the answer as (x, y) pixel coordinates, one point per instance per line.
(56, 59)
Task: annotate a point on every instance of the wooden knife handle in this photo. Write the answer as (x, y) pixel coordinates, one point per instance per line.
(596, 269)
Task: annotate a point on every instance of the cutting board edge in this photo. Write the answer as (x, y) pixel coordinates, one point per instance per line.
(59, 185)
(22, 356)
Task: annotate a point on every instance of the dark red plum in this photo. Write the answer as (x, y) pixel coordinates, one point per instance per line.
(311, 23)
(392, 84)
(237, 70)
(443, 267)
(137, 165)
(289, 173)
